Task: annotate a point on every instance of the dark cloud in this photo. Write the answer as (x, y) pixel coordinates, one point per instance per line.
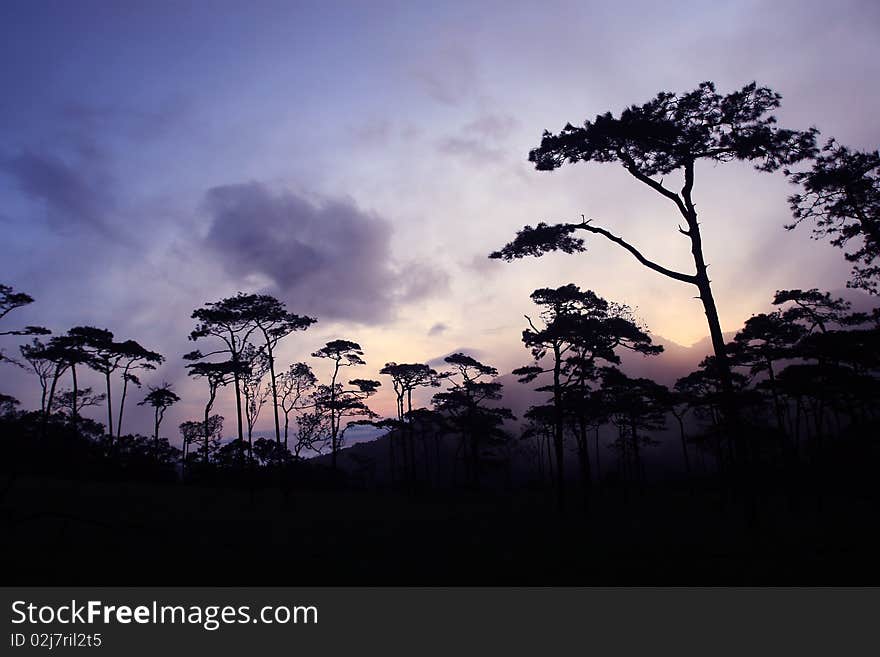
(74, 194)
(438, 329)
(331, 260)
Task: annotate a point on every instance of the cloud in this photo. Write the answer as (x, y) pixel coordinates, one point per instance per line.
(331, 260)
(449, 75)
(74, 195)
(483, 265)
(438, 329)
(137, 123)
(419, 280)
(481, 140)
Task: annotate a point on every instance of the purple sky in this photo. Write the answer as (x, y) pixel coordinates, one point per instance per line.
(359, 160)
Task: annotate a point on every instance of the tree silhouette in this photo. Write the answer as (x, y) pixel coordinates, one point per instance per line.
(841, 196)
(11, 300)
(579, 328)
(539, 426)
(231, 321)
(103, 358)
(52, 353)
(217, 375)
(334, 399)
(464, 403)
(293, 384)
(405, 378)
(132, 357)
(760, 344)
(255, 365)
(271, 453)
(312, 433)
(84, 398)
(678, 403)
(274, 322)
(34, 354)
(208, 433)
(813, 309)
(637, 408)
(670, 133)
(337, 402)
(703, 391)
(160, 398)
(67, 352)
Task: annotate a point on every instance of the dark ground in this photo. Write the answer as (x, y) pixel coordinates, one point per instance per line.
(70, 532)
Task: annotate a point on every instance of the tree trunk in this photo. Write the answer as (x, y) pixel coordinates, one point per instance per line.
(684, 449)
(156, 435)
(208, 407)
(584, 458)
(109, 407)
(702, 282)
(51, 397)
(274, 390)
(235, 378)
(74, 412)
(558, 428)
(122, 404)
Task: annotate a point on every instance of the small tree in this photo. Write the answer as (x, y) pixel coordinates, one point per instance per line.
(338, 402)
(637, 408)
(405, 378)
(67, 352)
(465, 404)
(217, 375)
(334, 399)
(160, 398)
(578, 329)
(85, 398)
(813, 309)
(104, 358)
(760, 344)
(312, 433)
(293, 385)
(34, 354)
(11, 300)
(132, 358)
(209, 433)
(231, 321)
(255, 365)
(274, 322)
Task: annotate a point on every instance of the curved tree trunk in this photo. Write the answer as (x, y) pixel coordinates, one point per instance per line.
(122, 404)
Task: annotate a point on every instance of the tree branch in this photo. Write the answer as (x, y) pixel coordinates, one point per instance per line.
(630, 165)
(685, 278)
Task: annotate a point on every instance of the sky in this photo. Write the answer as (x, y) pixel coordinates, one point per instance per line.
(360, 160)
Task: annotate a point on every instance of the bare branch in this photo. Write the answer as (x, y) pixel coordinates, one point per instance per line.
(685, 278)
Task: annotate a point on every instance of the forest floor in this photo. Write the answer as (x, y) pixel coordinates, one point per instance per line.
(72, 532)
